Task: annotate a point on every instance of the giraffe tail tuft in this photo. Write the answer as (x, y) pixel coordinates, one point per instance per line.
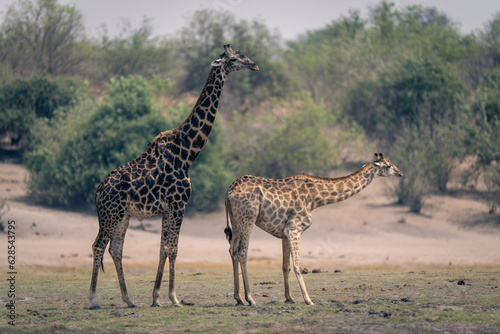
(229, 234)
(227, 230)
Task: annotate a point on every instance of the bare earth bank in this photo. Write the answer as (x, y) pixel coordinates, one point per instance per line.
(366, 229)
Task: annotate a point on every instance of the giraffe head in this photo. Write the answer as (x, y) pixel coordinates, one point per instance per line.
(232, 61)
(384, 166)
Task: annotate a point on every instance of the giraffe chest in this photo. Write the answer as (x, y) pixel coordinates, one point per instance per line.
(151, 195)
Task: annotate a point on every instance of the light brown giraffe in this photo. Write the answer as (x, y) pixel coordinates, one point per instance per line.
(283, 208)
(157, 182)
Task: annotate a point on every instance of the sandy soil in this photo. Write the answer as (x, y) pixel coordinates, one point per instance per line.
(366, 229)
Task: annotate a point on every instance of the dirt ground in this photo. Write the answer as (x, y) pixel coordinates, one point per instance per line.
(366, 229)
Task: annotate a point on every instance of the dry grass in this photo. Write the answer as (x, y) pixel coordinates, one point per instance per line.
(404, 299)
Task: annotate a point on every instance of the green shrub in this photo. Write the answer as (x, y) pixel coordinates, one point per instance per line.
(483, 137)
(426, 156)
(289, 137)
(425, 90)
(25, 101)
(75, 151)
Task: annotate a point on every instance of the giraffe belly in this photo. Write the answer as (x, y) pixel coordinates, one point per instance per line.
(142, 212)
(275, 228)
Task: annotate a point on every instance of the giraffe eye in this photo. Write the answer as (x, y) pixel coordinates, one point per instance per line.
(388, 166)
(233, 59)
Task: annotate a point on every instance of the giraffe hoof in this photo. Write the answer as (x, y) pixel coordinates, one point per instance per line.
(131, 306)
(156, 304)
(94, 307)
(290, 301)
(177, 305)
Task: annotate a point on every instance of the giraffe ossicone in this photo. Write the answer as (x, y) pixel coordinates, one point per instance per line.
(283, 208)
(157, 182)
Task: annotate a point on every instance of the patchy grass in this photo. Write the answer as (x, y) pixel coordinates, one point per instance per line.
(452, 299)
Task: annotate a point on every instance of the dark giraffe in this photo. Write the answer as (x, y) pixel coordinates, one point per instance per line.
(283, 208)
(157, 182)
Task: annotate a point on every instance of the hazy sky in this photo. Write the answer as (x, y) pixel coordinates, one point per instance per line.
(291, 17)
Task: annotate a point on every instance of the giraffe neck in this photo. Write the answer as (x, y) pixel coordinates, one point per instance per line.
(328, 191)
(194, 131)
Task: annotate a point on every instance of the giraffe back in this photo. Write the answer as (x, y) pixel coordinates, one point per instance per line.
(146, 186)
(268, 203)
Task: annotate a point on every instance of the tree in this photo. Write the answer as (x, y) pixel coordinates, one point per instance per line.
(483, 137)
(491, 38)
(24, 102)
(75, 151)
(202, 40)
(427, 90)
(41, 36)
(134, 52)
(288, 138)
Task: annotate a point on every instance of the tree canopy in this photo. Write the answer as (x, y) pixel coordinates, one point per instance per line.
(403, 80)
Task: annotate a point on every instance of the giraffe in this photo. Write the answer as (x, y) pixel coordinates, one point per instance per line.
(283, 208)
(157, 182)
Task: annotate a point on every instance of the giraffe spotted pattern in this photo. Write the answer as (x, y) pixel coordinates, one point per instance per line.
(157, 182)
(283, 208)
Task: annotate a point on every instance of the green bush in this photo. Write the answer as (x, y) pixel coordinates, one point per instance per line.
(426, 89)
(483, 137)
(427, 159)
(75, 151)
(25, 101)
(288, 138)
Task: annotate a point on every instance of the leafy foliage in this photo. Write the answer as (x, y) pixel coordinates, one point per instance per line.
(25, 101)
(134, 52)
(291, 137)
(115, 133)
(418, 87)
(41, 37)
(201, 42)
(483, 137)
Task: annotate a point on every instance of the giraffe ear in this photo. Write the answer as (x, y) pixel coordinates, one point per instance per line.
(217, 62)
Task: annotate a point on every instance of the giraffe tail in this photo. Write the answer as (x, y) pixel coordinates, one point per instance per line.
(102, 263)
(227, 230)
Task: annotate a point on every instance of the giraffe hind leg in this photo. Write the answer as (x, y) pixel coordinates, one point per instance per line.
(246, 283)
(240, 250)
(98, 249)
(116, 251)
(236, 272)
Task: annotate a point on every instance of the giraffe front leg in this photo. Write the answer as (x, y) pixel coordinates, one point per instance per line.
(294, 238)
(172, 295)
(159, 276)
(169, 242)
(286, 269)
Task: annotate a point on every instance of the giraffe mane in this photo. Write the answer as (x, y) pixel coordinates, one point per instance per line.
(329, 179)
